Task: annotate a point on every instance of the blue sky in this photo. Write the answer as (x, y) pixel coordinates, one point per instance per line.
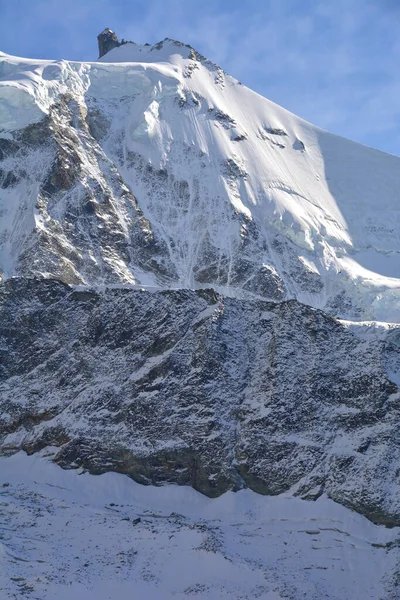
(333, 62)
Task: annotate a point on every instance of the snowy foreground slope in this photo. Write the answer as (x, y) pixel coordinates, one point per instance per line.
(66, 535)
(152, 166)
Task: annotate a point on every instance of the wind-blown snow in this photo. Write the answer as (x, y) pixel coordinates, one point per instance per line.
(70, 535)
(242, 163)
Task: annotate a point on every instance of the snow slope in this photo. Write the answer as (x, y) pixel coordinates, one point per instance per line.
(238, 193)
(66, 534)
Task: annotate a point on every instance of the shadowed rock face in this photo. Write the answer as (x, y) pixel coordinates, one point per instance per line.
(107, 40)
(196, 388)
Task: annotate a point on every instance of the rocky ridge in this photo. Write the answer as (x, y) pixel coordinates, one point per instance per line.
(199, 389)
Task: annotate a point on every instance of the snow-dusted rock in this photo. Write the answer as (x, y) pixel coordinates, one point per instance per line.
(196, 388)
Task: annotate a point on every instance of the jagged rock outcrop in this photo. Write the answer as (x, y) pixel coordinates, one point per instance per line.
(89, 225)
(200, 389)
(107, 40)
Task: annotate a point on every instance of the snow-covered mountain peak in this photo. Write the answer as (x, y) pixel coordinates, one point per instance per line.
(112, 50)
(152, 166)
(163, 50)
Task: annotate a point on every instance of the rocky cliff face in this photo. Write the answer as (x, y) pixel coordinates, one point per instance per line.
(200, 389)
(107, 40)
(78, 221)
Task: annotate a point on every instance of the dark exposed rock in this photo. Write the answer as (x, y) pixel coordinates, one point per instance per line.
(240, 137)
(36, 134)
(7, 179)
(198, 389)
(226, 120)
(81, 236)
(98, 124)
(264, 282)
(7, 148)
(275, 131)
(107, 40)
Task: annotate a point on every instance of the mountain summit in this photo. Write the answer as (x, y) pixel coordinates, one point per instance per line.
(154, 167)
(107, 40)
